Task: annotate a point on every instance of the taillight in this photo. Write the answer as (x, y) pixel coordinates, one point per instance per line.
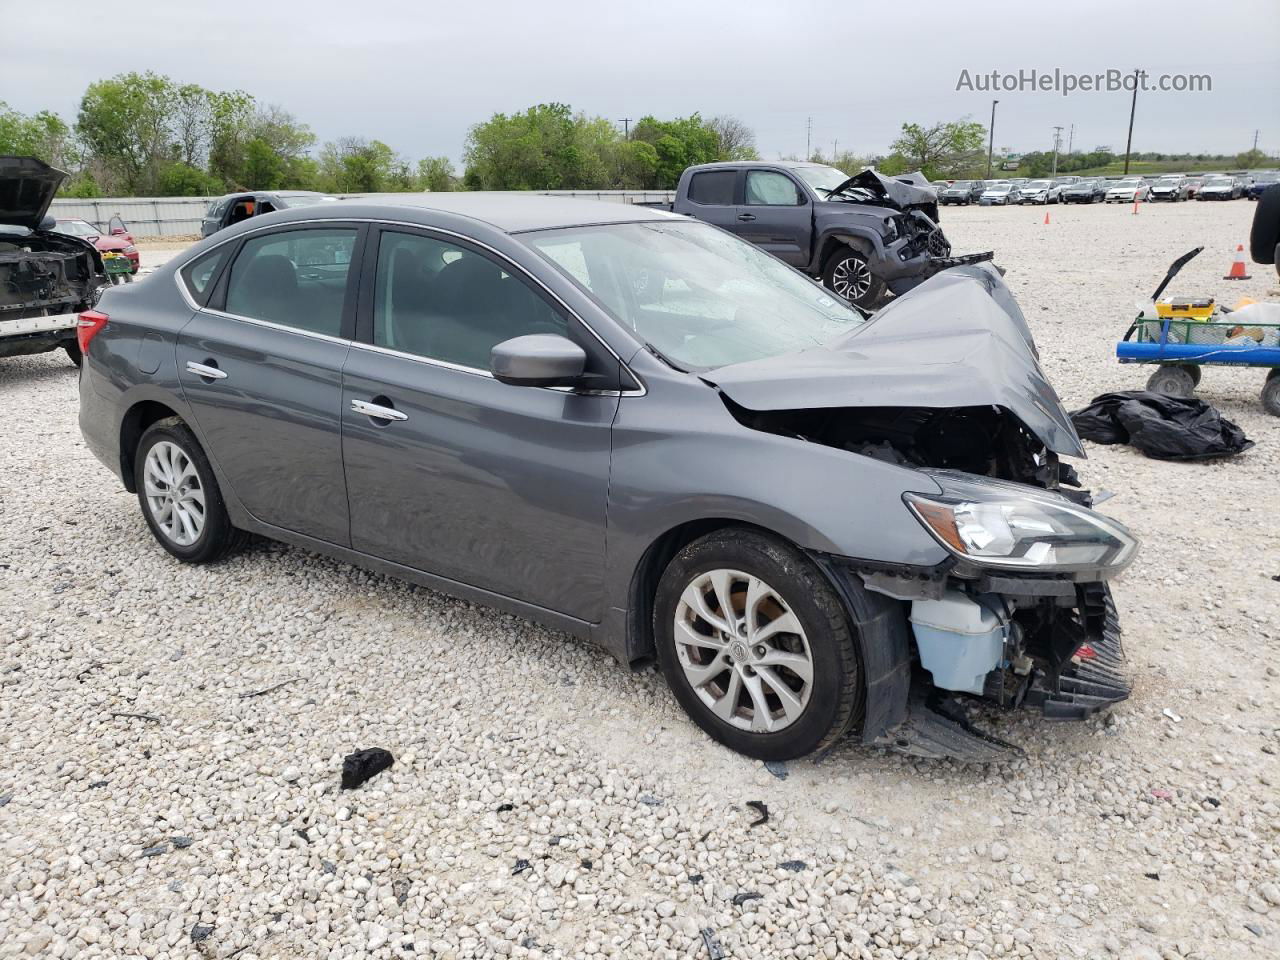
(87, 327)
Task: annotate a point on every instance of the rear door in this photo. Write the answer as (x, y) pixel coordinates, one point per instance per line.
(715, 197)
(776, 216)
(452, 472)
(261, 369)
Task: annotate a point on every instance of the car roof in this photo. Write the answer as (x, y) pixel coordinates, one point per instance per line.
(508, 211)
(734, 164)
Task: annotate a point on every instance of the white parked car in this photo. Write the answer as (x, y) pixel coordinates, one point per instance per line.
(998, 193)
(1040, 191)
(1127, 191)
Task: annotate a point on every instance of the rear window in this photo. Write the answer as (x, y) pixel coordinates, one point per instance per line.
(200, 274)
(714, 188)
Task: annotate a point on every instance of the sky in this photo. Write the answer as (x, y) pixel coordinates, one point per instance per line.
(417, 75)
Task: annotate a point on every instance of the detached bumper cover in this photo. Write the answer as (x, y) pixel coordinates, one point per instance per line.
(1095, 680)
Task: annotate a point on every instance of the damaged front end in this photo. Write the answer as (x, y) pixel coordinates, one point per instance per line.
(915, 247)
(946, 382)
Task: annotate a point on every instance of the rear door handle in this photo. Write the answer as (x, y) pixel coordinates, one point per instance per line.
(377, 411)
(206, 371)
(746, 216)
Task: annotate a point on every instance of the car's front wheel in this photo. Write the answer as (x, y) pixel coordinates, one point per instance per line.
(848, 274)
(756, 646)
(179, 495)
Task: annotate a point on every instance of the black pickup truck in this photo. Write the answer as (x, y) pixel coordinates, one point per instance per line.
(860, 235)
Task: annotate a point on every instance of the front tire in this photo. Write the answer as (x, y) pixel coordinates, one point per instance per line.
(847, 274)
(756, 646)
(179, 494)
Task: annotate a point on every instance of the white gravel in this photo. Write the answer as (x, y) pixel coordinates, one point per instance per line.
(546, 803)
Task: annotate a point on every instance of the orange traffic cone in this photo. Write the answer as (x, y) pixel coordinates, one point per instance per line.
(1046, 218)
(1237, 268)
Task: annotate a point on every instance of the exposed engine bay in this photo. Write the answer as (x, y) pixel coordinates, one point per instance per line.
(1006, 637)
(45, 273)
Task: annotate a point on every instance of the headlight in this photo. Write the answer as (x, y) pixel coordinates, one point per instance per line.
(890, 229)
(131, 249)
(994, 523)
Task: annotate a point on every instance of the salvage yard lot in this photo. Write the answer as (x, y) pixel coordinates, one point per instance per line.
(546, 802)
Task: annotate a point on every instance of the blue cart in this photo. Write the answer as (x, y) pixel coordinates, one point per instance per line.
(1181, 346)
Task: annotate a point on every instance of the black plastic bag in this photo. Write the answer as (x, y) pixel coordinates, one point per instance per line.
(363, 764)
(1162, 427)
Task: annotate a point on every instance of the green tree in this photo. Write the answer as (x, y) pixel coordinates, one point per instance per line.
(679, 143)
(949, 149)
(357, 165)
(436, 174)
(1250, 159)
(42, 134)
(547, 147)
(125, 122)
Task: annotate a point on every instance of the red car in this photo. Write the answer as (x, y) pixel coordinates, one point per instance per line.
(119, 240)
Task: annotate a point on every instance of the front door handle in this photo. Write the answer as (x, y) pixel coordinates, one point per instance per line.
(745, 217)
(377, 411)
(209, 370)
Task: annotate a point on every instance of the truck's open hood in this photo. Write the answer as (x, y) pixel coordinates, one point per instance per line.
(898, 192)
(27, 186)
(957, 340)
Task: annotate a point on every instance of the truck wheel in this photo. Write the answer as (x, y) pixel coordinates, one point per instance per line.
(1173, 380)
(756, 645)
(1271, 393)
(847, 274)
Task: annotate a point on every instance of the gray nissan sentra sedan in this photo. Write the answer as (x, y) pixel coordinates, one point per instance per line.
(638, 429)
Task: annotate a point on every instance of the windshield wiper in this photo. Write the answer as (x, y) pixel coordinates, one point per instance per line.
(664, 358)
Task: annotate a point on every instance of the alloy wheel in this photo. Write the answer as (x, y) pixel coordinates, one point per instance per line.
(743, 651)
(851, 278)
(174, 494)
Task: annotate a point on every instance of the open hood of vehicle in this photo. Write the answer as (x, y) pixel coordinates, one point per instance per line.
(957, 340)
(899, 192)
(27, 186)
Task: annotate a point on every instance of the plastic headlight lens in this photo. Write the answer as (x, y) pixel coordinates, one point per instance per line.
(130, 248)
(999, 524)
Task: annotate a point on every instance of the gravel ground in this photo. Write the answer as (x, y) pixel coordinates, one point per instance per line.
(547, 803)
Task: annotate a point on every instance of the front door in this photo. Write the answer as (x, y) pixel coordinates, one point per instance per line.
(452, 472)
(780, 216)
(261, 369)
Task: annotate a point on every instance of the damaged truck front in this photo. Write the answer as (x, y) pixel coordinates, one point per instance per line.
(1017, 611)
(46, 278)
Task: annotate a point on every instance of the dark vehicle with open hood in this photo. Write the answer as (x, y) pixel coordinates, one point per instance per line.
(46, 277)
(862, 236)
(637, 429)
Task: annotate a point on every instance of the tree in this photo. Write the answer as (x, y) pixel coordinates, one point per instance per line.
(357, 165)
(679, 143)
(735, 140)
(950, 149)
(43, 135)
(436, 174)
(1250, 159)
(547, 147)
(125, 122)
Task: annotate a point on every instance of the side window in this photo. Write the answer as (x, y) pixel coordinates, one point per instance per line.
(199, 275)
(713, 188)
(772, 189)
(297, 278)
(446, 302)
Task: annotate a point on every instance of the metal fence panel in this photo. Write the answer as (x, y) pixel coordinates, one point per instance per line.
(181, 216)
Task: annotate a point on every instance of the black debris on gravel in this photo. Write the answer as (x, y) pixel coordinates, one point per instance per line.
(328, 866)
(1160, 426)
(505, 807)
(714, 950)
(364, 764)
(759, 807)
(158, 849)
(521, 866)
(400, 888)
(740, 898)
(795, 866)
(649, 800)
(181, 843)
(199, 933)
(695, 878)
(777, 768)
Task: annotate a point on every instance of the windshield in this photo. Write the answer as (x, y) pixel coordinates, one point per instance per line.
(1127, 184)
(1217, 181)
(1038, 185)
(960, 185)
(77, 228)
(1000, 188)
(699, 296)
(825, 179)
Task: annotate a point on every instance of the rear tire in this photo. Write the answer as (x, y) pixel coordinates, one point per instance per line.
(1173, 380)
(770, 695)
(847, 273)
(179, 494)
(73, 352)
(1271, 393)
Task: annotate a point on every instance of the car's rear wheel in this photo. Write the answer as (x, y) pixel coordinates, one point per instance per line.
(756, 646)
(848, 274)
(72, 349)
(179, 494)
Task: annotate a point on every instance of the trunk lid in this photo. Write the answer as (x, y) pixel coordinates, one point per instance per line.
(957, 340)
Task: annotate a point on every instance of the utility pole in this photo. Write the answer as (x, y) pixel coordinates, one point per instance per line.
(626, 128)
(808, 137)
(1057, 142)
(1071, 138)
(991, 141)
(1255, 140)
(1133, 107)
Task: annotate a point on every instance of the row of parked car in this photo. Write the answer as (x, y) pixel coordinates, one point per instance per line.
(1071, 189)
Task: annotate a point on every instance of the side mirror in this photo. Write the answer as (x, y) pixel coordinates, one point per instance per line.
(117, 231)
(48, 222)
(538, 360)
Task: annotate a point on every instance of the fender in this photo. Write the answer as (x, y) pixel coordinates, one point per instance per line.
(852, 234)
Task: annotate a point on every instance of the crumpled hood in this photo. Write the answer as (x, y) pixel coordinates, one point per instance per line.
(27, 186)
(957, 340)
(902, 195)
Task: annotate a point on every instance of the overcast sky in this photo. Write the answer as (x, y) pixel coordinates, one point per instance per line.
(417, 74)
